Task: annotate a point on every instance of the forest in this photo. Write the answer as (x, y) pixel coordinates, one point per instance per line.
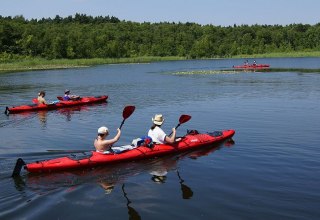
(82, 36)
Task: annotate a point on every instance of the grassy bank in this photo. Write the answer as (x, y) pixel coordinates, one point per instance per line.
(27, 64)
(282, 55)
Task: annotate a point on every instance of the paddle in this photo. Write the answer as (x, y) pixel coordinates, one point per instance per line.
(7, 111)
(17, 168)
(127, 111)
(182, 119)
(35, 101)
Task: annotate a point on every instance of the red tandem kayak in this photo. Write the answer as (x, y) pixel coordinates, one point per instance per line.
(257, 66)
(60, 104)
(190, 141)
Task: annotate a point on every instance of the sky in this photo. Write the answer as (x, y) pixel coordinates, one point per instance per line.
(215, 12)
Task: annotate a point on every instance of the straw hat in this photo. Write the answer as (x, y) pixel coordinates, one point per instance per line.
(158, 119)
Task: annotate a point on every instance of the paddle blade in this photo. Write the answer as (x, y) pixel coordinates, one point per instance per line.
(17, 169)
(35, 101)
(6, 111)
(127, 111)
(60, 98)
(184, 119)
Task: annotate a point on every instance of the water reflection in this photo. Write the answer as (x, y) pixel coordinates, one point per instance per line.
(187, 193)
(68, 112)
(42, 116)
(133, 214)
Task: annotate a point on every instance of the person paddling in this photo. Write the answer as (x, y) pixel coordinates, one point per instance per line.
(157, 134)
(103, 145)
(67, 96)
(41, 99)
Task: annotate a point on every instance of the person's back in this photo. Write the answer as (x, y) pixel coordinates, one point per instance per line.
(157, 134)
(41, 99)
(101, 144)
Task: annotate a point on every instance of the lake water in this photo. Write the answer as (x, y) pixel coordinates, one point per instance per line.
(272, 171)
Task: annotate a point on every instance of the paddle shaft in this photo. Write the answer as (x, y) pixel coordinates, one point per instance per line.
(122, 123)
(182, 119)
(175, 128)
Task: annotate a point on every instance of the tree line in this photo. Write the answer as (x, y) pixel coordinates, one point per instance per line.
(82, 36)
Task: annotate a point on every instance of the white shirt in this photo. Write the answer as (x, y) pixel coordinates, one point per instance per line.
(157, 135)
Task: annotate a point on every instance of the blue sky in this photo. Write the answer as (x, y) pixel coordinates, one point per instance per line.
(216, 12)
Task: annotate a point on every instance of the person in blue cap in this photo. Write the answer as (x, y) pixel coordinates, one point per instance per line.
(68, 97)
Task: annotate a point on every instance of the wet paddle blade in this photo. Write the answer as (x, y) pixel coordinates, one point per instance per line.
(17, 169)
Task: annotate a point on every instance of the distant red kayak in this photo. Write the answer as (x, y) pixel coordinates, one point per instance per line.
(60, 104)
(257, 66)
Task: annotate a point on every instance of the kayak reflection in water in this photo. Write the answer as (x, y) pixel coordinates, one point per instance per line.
(157, 134)
(101, 144)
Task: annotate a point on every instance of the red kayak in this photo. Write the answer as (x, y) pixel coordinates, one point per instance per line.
(257, 66)
(60, 104)
(192, 140)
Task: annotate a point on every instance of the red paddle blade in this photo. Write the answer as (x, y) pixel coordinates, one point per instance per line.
(127, 111)
(184, 119)
(35, 101)
(60, 98)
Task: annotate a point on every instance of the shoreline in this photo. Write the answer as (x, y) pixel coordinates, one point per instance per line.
(34, 64)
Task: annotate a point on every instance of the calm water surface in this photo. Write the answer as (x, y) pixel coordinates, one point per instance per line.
(271, 172)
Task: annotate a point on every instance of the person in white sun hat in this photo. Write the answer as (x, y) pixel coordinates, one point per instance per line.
(157, 134)
(101, 143)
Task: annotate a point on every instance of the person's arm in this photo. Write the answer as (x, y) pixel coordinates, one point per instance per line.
(113, 140)
(74, 97)
(172, 138)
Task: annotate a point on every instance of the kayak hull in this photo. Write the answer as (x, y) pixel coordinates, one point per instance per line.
(257, 66)
(60, 104)
(91, 159)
